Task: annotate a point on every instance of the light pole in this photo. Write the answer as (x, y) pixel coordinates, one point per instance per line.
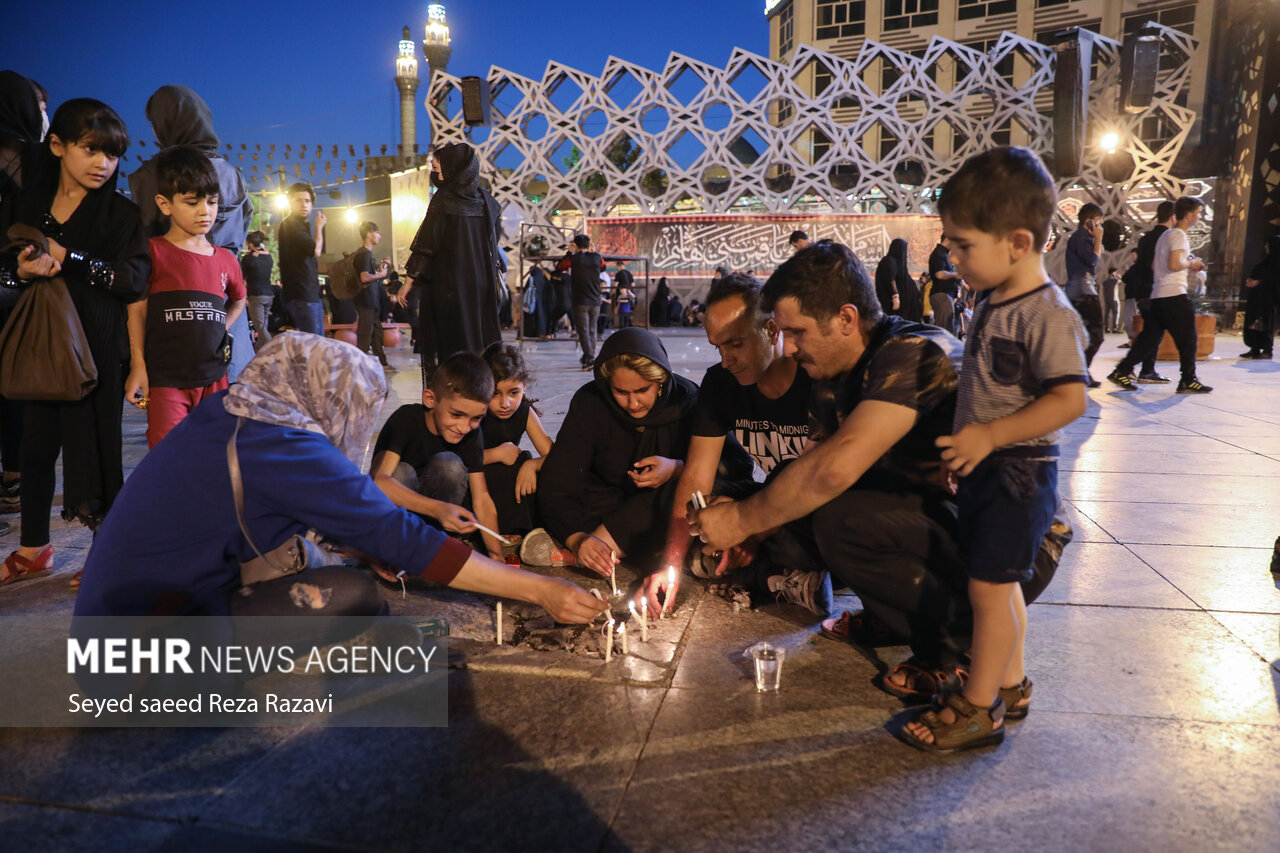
(436, 49)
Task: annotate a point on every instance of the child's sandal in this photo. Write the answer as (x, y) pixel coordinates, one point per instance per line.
(19, 568)
(973, 727)
(1017, 700)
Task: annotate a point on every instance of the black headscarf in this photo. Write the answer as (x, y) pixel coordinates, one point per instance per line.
(19, 109)
(181, 117)
(676, 398)
(458, 191)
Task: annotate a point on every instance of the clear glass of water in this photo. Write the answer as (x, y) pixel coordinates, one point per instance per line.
(768, 661)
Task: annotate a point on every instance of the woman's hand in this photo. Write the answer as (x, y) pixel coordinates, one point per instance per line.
(456, 519)
(567, 602)
(137, 388)
(652, 471)
(527, 479)
(593, 553)
(506, 453)
(58, 251)
(33, 263)
(1250, 282)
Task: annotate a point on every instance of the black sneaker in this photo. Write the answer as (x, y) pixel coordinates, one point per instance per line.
(1153, 378)
(11, 497)
(1124, 380)
(1193, 386)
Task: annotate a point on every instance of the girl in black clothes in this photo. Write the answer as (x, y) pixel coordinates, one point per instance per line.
(96, 244)
(608, 483)
(512, 473)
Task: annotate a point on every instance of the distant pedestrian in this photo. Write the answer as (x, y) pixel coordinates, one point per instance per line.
(1138, 279)
(798, 240)
(1084, 247)
(945, 286)
(256, 266)
(300, 245)
(1110, 302)
(585, 267)
(370, 301)
(1260, 302)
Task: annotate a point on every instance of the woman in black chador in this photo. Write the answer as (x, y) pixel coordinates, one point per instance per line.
(1260, 303)
(455, 260)
(97, 245)
(893, 279)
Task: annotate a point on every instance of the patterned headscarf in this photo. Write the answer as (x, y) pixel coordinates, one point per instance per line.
(316, 384)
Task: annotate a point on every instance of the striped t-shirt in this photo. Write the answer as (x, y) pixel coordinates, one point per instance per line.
(1016, 351)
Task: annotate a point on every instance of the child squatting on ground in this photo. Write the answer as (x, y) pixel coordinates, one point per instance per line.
(511, 473)
(1022, 379)
(179, 341)
(430, 455)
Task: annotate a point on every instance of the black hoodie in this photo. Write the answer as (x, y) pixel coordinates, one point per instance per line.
(584, 481)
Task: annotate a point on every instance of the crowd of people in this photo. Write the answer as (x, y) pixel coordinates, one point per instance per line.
(841, 440)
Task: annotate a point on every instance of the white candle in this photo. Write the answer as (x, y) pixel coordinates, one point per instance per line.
(499, 628)
(644, 620)
(644, 629)
(671, 595)
(622, 632)
(608, 642)
(613, 573)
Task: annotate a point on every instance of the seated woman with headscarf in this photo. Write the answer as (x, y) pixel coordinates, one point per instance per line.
(607, 485)
(299, 421)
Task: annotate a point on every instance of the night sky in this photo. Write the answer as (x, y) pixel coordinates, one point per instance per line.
(321, 72)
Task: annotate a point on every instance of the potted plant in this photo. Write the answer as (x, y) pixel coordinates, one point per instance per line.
(1206, 331)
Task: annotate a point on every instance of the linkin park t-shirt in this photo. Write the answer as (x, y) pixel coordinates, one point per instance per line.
(773, 431)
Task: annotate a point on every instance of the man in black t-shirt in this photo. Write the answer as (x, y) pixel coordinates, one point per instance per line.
(300, 245)
(369, 300)
(883, 521)
(761, 399)
(585, 267)
(946, 286)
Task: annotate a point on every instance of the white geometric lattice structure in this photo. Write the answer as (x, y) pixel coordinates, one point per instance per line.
(781, 148)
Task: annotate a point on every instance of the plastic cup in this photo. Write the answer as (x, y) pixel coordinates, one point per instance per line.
(768, 661)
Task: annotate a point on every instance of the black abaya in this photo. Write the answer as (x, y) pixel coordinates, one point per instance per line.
(1260, 301)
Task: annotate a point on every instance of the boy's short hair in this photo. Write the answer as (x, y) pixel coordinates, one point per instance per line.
(302, 187)
(184, 169)
(582, 241)
(1089, 211)
(822, 277)
(1185, 205)
(796, 237)
(367, 228)
(1164, 210)
(746, 287)
(1111, 270)
(1000, 191)
(256, 239)
(463, 374)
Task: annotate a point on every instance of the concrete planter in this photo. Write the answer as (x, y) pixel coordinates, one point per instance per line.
(1206, 329)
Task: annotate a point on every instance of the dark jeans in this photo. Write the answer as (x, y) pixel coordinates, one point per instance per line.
(1175, 315)
(584, 322)
(1090, 310)
(443, 479)
(1111, 315)
(307, 316)
(259, 308)
(369, 332)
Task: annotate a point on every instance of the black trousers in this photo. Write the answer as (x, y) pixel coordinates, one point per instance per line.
(1090, 311)
(1175, 315)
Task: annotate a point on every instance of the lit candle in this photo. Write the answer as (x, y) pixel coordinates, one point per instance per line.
(644, 628)
(622, 632)
(671, 595)
(613, 571)
(608, 642)
(499, 627)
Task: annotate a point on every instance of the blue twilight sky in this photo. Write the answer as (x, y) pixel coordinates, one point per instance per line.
(316, 72)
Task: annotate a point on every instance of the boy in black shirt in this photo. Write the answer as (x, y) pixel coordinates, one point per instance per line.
(429, 456)
(368, 301)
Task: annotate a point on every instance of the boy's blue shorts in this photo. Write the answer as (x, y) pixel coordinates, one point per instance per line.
(1005, 508)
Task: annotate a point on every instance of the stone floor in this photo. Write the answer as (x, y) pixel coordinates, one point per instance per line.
(1156, 723)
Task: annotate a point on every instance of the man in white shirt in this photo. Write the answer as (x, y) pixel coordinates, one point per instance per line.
(1170, 306)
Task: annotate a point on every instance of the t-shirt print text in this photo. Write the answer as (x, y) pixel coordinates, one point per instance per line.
(197, 310)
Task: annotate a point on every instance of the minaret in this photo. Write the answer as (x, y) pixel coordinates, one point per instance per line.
(407, 83)
(436, 45)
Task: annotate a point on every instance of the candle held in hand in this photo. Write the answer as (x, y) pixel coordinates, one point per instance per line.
(608, 642)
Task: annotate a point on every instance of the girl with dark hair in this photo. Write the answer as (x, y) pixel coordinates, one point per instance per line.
(512, 473)
(97, 245)
(454, 260)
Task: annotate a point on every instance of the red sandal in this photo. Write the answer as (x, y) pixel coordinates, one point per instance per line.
(19, 568)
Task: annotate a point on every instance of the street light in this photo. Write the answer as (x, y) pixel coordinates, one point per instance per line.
(282, 202)
(351, 215)
(1110, 141)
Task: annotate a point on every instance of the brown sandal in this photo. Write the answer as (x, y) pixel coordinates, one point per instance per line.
(1017, 700)
(973, 727)
(19, 568)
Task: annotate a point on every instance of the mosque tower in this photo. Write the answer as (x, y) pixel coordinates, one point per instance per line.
(407, 83)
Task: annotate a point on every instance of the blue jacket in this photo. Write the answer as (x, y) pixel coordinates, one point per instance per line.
(173, 531)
